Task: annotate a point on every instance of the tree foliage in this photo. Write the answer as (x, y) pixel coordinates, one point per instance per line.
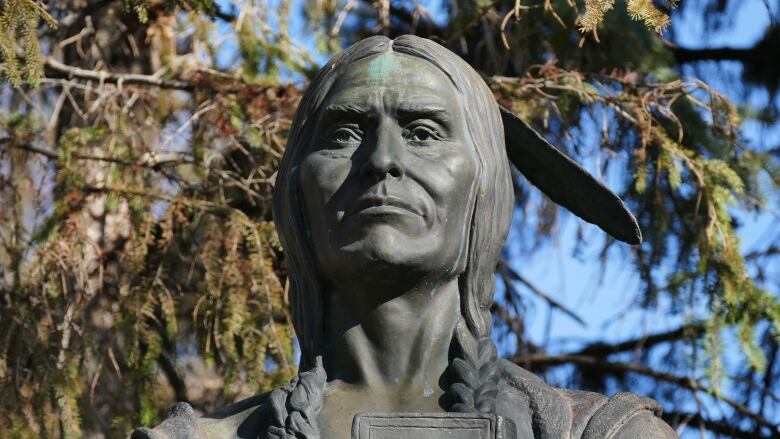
(139, 142)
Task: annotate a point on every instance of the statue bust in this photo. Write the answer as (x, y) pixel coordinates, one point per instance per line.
(392, 202)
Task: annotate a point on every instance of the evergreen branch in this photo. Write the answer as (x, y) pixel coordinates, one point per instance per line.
(44, 13)
(422, 24)
(474, 21)
(687, 55)
(691, 331)
(199, 204)
(222, 15)
(149, 160)
(772, 250)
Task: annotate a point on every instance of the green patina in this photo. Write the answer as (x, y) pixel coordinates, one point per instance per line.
(381, 67)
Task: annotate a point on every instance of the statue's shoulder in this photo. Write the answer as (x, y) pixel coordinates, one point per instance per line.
(243, 419)
(557, 413)
(621, 416)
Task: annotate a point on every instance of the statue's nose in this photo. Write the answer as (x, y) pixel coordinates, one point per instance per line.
(385, 156)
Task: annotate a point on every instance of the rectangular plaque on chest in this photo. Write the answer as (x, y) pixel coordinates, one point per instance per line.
(429, 426)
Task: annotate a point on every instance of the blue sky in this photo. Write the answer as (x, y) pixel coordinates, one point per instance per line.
(577, 284)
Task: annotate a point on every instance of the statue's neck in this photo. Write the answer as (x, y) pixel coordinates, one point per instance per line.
(401, 344)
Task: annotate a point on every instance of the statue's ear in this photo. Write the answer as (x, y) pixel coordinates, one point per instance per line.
(565, 181)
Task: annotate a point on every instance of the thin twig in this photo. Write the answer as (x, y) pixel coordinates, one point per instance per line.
(513, 275)
(117, 78)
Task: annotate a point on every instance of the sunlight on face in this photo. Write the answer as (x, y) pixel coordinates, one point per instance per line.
(389, 178)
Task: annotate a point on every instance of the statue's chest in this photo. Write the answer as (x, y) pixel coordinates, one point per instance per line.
(338, 412)
(421, 425)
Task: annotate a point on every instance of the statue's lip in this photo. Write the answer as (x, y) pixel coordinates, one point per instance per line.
(382, 204)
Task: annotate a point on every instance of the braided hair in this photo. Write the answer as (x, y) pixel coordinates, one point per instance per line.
(293, 409)
(473, 366)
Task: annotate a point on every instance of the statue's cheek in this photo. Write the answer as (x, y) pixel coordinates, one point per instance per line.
(450, 174)
(322, 173)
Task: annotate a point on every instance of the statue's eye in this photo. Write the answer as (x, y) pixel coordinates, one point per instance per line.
(345, 135)
(422, 133)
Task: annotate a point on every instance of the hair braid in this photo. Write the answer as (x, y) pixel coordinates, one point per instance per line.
(293, 408)
(474, 385)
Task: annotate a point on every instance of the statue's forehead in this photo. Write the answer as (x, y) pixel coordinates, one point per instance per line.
(399, 74)
(393, 68)
(382, 67)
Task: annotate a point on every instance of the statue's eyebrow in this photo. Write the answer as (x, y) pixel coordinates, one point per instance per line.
(411, 110)
(347, 109)
(404, 110)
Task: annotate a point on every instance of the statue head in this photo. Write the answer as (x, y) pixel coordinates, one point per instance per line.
(397, 166)
(349, 200)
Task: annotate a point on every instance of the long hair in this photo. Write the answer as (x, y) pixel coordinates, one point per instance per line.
(492, 213)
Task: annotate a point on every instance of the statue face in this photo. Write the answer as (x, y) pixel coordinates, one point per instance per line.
(389, 177)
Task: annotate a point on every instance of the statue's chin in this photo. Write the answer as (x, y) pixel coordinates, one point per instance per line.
(385, 249)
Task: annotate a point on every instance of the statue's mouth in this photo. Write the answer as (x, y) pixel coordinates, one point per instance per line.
(375, 205)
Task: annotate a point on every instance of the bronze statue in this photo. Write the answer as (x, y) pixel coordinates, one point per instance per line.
(393, 201)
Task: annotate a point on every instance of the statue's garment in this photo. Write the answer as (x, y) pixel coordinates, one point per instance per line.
(538, 410)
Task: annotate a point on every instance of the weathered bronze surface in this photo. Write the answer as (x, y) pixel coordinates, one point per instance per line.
(393, 201)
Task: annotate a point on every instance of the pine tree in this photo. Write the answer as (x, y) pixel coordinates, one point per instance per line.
(138, 147)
